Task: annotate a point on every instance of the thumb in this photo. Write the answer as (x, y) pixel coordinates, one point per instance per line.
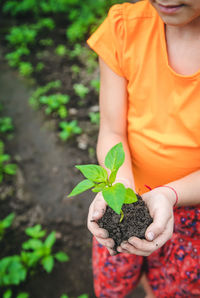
(157, 227)
(99, 207)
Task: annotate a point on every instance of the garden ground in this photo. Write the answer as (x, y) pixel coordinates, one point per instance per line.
(46, 175)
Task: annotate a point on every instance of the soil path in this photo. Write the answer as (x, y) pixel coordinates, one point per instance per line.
(47, 167)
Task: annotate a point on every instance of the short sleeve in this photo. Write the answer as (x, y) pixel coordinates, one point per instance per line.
(107, 40)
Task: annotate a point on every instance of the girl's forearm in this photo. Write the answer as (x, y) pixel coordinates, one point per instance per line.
(106, 141)
(188, 189)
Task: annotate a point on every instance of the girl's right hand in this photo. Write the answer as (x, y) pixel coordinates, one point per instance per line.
(96, 211)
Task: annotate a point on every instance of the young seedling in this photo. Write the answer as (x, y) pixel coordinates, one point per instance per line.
(98, 180)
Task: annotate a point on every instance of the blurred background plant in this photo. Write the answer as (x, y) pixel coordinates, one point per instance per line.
(44, 41)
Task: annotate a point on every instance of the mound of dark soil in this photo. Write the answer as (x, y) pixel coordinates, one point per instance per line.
(136, 221)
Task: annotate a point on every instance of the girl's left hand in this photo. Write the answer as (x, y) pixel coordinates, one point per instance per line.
(160, 203)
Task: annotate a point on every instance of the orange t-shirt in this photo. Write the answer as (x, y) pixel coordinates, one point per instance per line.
(163, 106)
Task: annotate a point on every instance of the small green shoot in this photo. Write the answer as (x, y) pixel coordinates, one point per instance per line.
(94, 117)
(6, 124)
(5, 166)
(61, 50)
(46, 42)
(5, 224)
(38, 251)
(25, 69)
(97, 179)
(55, 103)
(69, 129)
(81, 90)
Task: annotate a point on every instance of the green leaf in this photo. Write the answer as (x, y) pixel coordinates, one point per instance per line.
(83, 296)
(114, 196)
(10, 169)
(23, 295)
(81, 187)
(64, 296)
(130, 196)
(33, 244)
(112, 176)
(94, 173)
(12, 272)
(48, 263)
(61, 257)
(115, 157)
(1, 177)
(6, 222)
(50, 240)
(30, 259)
(7, 294)
(35, 231)
(99, 187)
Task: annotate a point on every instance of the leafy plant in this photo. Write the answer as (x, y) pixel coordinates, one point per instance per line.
(75, 69)
(68, 129)
(39, 67)
(15, 269)
(25, 69)
(94, 117)
(12, 271)
(6, 223)
(21, 35)
(34, 99)
(6, 124)
(55, 102)
(97, 179)
(37, 251)
(61, 50)
(81, 90)
(95, 83)
(8, 294)
(81, 296)
(46, 42)
(76, 52)
(47, 23)
(14, 58)
(5, 167)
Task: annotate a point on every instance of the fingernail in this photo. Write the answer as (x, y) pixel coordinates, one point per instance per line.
(150, 236)
(95, 214)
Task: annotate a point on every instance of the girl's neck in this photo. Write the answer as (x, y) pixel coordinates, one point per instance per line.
(189, 31)
(183, 47)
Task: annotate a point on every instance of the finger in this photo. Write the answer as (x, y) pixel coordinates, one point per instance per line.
(142, 245)
(119, 249)
(111, 251)
(96, 230)
(108, 243)
(98, 208)
(133, 250)
(158, 225)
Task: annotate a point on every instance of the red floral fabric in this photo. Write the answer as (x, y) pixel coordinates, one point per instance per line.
(173, 270)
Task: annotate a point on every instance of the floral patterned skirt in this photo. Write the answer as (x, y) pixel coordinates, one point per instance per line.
(173, 270)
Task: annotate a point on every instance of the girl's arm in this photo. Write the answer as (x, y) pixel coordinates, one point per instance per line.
(188, 189)
(113, 129)
(113, 119)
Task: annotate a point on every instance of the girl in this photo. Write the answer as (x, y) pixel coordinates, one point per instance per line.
(149, 55)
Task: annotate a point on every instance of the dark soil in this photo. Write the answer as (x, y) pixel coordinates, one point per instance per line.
(136, 221)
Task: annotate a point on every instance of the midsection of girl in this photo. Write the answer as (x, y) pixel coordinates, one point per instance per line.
(145, 104)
